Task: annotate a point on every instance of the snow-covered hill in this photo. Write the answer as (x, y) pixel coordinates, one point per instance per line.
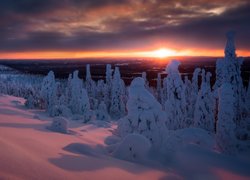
(28, 150)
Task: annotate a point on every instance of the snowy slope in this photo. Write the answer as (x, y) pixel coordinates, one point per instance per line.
(28, 150)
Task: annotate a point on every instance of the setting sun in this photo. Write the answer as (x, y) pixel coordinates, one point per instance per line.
(163, 53)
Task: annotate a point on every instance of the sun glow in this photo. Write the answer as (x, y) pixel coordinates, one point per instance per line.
(162, 53)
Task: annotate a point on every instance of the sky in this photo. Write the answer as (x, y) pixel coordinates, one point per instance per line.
(121, 28)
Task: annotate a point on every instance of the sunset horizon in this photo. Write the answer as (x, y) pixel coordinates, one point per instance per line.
(160, 53)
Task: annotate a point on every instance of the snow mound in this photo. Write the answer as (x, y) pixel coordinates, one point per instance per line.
(59, 124)
(36, 116)
(134, 147)
(112, 140)
(179, 139)
(79, 148)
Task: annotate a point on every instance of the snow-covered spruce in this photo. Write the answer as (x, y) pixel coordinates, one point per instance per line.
(33, 100)
(145, 115)
(100, 88)
(59, 124)
(191, 91)
(159, 88)
(175, 97)
(248, 98)
(102, 113)
(79, 102)
(204, 114)
(117, 106)
(225, 131)
(52, 97)
(30, 102)
(47, 90)
(56, 107)
(107, 86)
(228, 70)
(144, 76)
(188, 91)
(90, 86)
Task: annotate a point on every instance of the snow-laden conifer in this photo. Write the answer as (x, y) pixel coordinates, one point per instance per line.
(225, 131)
(145, 115)
(175, 105)
(204, 114)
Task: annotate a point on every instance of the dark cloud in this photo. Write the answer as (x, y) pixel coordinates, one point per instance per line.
(27, 6)
(110, 24)
(96, 3)
(32, 7)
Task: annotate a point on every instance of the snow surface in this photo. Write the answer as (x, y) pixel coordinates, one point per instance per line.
(134, 147)
(28, 150)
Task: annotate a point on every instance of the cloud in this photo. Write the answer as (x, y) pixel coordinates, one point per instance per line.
(109, 24)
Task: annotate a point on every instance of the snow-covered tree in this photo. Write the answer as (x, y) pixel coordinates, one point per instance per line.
(205, 105)
(164, 92)
(107, 87)
(219, 73)
(79, 102)
(33, 99)
(60, 105)
(54, 100)
(90, 87)
(102, 112)
(29, 103)
(100, 88)
(144, 76)
(68, 90)
(193, 92)
(225, 131)
(47, 90)
(145, 115)
(232, 75)
(189, 100)
(117, 107)
(108, 74)
(175, 105)
(248, 98)
(159, 88)
(228, 70)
